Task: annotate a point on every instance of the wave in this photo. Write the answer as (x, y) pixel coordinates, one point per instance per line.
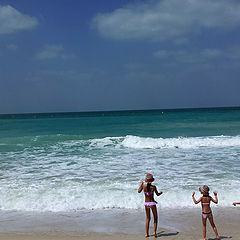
(128, 141)
(137, 142)
(68, 200)
(68, 173)
(181, 142)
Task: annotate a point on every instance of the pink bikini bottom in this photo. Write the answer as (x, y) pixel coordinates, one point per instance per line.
(150, 204)
(205, 215)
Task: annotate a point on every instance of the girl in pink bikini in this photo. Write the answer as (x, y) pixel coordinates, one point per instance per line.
(150, 203)
(206, 210)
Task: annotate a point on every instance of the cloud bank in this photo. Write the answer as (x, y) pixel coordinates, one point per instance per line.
(11, 20)
(168, 19)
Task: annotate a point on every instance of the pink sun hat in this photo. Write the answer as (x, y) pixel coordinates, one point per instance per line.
(149, 178)
(204, 189)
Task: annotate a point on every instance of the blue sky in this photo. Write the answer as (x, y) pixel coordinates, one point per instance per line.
(89, 55)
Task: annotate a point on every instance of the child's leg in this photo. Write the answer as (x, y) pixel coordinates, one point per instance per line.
(204, 222)
(155, 215)
(213, 225)
(148, 218)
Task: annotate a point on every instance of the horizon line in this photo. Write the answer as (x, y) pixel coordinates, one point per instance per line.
(118, 111)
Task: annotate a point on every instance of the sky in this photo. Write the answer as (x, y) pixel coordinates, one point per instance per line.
(100, 55)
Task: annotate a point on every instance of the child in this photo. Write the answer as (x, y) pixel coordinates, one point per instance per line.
(206, 210)
(150, 203)
(235, 203)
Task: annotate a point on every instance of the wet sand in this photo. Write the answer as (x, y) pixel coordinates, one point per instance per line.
(179, 225)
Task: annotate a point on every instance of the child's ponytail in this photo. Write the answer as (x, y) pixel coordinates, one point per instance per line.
(148, 187)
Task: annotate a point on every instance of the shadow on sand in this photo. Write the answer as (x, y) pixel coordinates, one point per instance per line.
(166, 234)
(221, 237)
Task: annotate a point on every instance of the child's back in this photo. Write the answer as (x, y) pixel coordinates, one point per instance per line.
(206, 209)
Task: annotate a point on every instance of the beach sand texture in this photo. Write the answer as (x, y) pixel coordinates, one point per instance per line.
(226, 220)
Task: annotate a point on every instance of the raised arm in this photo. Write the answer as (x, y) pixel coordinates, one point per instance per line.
(156, 191)
(140, 187)
(235, 203)
(216, 198)
(194, 200)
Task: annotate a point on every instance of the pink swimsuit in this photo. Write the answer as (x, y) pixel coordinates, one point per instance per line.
(205, 215)
(149, 204)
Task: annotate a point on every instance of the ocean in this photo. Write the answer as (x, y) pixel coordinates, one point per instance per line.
(87, 162)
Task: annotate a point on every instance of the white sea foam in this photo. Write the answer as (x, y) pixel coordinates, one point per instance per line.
(67, 199)
(70, 174)
(181, 142)
(154, 143)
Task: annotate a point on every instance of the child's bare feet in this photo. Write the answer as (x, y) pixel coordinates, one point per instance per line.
(155, 234)
(146, 235)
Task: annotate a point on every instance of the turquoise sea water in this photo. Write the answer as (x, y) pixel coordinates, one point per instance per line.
(88, 161)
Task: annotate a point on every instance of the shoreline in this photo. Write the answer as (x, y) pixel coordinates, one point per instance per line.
(173, 224)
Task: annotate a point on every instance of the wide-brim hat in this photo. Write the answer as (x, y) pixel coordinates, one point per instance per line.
(149, 178)
(204, 189)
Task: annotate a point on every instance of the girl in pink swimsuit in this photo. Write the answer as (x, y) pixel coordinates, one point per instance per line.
(150, 203)
(206, 210)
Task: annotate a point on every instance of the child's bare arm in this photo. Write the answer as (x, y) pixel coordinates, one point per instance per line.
(235, 203)
(194, 200)
(140, 187)
(216, 198)
(156, 191)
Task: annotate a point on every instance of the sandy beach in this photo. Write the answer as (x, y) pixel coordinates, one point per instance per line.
(181, 225)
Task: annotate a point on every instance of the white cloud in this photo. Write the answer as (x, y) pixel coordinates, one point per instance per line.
(11, 20)
(203, 56)
(168, 19)
(50, 51)
(57, 75)
(53, 51)
(12, 47)
(184, 56)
